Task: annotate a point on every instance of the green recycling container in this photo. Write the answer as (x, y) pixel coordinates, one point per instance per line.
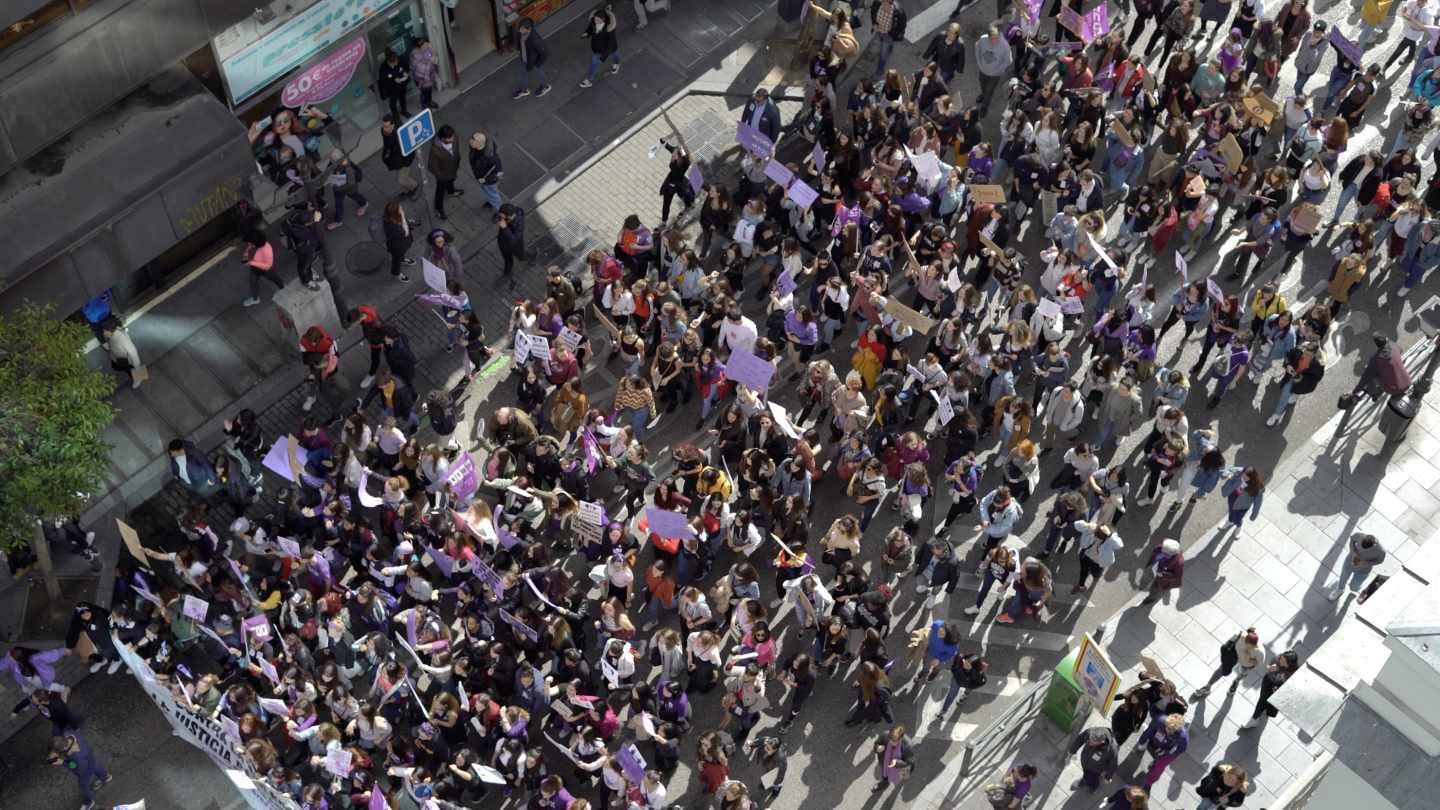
(1064, 698)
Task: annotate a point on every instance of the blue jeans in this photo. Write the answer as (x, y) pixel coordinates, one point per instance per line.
(1347, 196)
(340, 196)
(596, 60)
(523, 80)
(886, 44)
(985, 586)
(492, 195)
(639, 418)
(1354, 577)
(1106, 428)
(709, 401)
(1301, 79)
(1284, 402)
(950, 695)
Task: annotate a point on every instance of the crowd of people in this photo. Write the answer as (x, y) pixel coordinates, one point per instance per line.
(942, 302)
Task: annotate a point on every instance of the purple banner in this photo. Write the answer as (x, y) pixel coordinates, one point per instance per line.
(754, 141)
(323, 80)
(745, 368)
(668, 524)
(462, 478)
(518, 626)
(1343, 44)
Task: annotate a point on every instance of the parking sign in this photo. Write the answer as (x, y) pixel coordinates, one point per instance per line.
(416, 131)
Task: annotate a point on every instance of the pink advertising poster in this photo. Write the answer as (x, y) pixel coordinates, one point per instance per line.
(323, 80)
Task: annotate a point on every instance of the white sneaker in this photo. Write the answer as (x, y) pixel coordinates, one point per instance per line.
(1402, 292)
(97, 666)
(1273, 420)
(972, 611)
(586, 83)
(308, 404)
(365, 383)
(249, 302)
(89, 538)
(1335, 592)
(1143, 501)
(114, 667)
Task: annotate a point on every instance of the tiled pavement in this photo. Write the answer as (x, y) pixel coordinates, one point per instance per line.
(1273, 575)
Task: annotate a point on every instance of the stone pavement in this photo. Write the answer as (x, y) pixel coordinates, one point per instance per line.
(1274, 575)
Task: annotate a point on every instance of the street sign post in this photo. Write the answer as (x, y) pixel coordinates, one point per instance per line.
(415, 132)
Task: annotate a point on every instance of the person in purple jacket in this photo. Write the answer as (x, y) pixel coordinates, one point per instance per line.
(33, 669)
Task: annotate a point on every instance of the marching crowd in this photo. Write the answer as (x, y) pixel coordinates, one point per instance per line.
(944, 304)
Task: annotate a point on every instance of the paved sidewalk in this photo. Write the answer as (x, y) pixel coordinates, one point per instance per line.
(1275, 575)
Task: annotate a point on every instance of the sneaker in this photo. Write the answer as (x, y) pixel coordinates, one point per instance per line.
(544, 89)
(250, 302)
(1334, 594)
(97, 666)
(586, 83)
(614, 69)
(519, 94)
(1004, 618)
(308, 404)
(1273, 420)
(407, 262)
(114, 667)
(88, 806)
(972, 611)
(1254, 721)
(365, 383)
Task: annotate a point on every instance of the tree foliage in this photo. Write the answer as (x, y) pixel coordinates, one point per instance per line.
(53, 409)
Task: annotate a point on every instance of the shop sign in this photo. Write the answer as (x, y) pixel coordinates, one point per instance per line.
(294, 42)
(324, 80)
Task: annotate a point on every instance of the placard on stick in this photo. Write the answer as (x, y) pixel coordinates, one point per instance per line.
(132, 542)
(908, 316)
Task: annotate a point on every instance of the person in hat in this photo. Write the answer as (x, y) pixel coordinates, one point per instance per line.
(1098, 757)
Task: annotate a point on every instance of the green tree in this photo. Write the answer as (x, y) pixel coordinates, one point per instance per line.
(53, 409)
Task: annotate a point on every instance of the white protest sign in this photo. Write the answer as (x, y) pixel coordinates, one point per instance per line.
(196, 608)
(434, 276)
(339, 762)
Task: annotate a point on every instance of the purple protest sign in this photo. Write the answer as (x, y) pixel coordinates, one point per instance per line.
(592, 450)
(506, 537)
(817, 157)
(668, 524)
(324, 80)
(631, 763)
(754, 141)
(462, 478)
(258, 627)
(779, 172)
(803, 195)
(442, 560)
(1343, 44)
(696, 178)
(487, 575)
(1070, 18)
(518, 626)
(745, 368)
(785, 284)
(1095, 23)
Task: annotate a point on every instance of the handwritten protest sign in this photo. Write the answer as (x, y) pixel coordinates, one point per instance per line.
(462, 478)
(779, 172)
(755, 142)
(196, 608)
(802, 193)
(1095, 23)
(984, 193)
(668, 524)
(518, 626)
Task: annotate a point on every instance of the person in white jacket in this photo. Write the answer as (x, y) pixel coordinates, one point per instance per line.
(737, 332)
(124, 357)
(812, 602)
(1096, 546)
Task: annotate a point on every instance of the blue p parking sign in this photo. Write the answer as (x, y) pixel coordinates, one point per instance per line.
(416, 131)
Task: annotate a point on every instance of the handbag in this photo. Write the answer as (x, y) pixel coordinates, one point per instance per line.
(998, 795)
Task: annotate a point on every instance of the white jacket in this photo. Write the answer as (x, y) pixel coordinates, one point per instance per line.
(739, 335)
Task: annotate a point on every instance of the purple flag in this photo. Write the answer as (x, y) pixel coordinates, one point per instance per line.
(377, 799)
(745, 368)
(1343, 44)
(632, 763)
(669, 524)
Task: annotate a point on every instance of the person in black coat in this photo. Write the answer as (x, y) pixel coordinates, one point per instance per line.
(510, 237)
(395, 159)
(93, 622)
(533, 55)
(393, 83)
(1224, 786)
(943, 567)
(486, 166)
(947, 50)
(603, 43)
(398, 356)
(193, 468)
(1098, 757)
(675, 181)
(761, 113)
(397, 239)
(799, 675)
(1285, 665)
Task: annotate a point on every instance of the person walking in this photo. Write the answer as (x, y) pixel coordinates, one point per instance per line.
(395, 159)
(1096, 550)
(1165, 739)
(999, 567)
(1243, 652)
(393, 85)
(1226, 785)
(397, 239)
(444, 164)
(1167, 561)
(1365, 553)
(1302, 374)
(192, 468)
(1286, 664)
(894, 759)
(533, 55)
(93, 622)
(603, 43)
(344, 181)
(1244, 491)
(259, 257)
(71, 752)
(510, 238)
(425, 70)
(485, 165)
(1099, 756)
(887, 20)
(993, 57)
(124, 357)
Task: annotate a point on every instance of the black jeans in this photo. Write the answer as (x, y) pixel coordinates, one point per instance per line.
(443, 188)
(397, 108)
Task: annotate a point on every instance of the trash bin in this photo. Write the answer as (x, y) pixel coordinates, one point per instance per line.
(1396, 417)
(1065, 702)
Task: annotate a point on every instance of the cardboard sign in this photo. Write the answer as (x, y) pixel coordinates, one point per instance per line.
(994, 249)
(750, 371)
(779, 172)
(1122, 134)
(697, 180)
(1195, 187)
(434, 276)
(668, 524)
(755, 142)
(1162, 167)
(132, 542)
(1352, 51)
(1305, 217)
(987, 193)
(196, 608)
(1261, 107)
(911, 318)
(1230, 150)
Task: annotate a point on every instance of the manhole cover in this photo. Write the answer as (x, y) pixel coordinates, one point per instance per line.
(367, 258)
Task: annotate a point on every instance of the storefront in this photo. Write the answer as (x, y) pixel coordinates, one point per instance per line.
(509, 12)
(327, 55)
